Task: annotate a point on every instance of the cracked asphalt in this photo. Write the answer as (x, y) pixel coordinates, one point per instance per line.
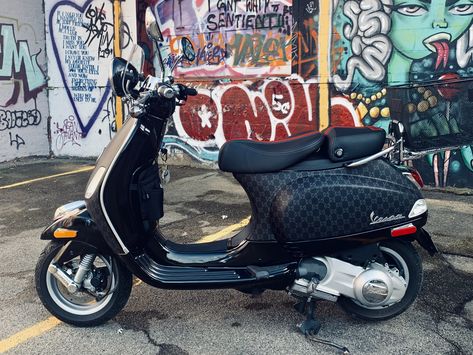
(200, 202)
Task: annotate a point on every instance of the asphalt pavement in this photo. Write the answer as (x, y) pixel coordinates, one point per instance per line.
(200, 202)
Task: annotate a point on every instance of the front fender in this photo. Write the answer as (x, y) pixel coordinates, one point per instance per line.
(77, 226)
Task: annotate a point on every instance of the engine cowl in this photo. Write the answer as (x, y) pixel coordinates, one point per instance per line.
(379, 286)
(328, 278)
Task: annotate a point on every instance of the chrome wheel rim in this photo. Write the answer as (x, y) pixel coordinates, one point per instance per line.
(82, 303)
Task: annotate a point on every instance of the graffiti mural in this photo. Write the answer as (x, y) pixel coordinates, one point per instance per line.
(231, 37)
(420, 77)
(267, 110)
(23, 103)
(378, 69)
(265, 70)
(264, 110)
(80, 49)
(19, 63)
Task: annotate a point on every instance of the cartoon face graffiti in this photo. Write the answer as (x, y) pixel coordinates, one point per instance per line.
(437, 24)
(386, 36)
(423, 46)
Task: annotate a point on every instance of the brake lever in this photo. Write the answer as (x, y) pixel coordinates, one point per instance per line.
(180, 102)
(142, 100)
(138, 106)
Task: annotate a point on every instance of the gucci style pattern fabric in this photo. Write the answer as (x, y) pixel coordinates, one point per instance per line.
(307, 205)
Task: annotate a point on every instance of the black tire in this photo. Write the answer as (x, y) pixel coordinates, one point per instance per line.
(414, 265)
(114, 303)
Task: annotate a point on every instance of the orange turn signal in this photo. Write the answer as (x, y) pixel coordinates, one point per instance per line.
(62, 233)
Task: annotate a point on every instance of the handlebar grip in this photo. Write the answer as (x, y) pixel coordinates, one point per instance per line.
(166, 92)
(191, 92)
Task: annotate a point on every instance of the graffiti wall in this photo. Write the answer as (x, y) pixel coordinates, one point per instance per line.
(411, 61)
(270, 69)
(265, 70)
(231, 37)
(80, 40)
(23, 102)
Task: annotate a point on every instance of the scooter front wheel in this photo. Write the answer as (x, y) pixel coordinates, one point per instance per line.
(403, 257)
(103, 293)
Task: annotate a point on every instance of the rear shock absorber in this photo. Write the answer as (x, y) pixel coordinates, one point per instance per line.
(84, 268)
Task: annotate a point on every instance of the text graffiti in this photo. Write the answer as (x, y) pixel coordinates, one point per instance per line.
(10, 119)
(82, 41)
(234, 38)
(17, 62)
(253, 15)
(236, 112)
(67, 133)
(16, 141)
(101, 31)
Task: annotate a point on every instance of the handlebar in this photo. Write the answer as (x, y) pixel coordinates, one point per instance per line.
(191, 91)
(178, 91)
(142, 100)
(169, 92)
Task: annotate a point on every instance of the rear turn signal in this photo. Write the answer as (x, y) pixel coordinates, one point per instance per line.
(403, 230)
(414, 176)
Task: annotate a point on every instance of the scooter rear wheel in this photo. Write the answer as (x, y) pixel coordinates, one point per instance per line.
(82, 308)
(404, 257)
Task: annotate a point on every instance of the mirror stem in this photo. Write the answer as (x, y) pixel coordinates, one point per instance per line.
(161, 63)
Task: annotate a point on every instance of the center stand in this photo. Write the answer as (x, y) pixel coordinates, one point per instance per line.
(311, 326)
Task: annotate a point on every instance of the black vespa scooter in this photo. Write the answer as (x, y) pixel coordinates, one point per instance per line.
(332, 219)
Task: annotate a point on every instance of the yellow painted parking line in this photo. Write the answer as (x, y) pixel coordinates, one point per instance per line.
(26, 182)
(224, 232)
(52, 322)
(28, 333)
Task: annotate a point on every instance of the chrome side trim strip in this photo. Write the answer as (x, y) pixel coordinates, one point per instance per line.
(125, 143)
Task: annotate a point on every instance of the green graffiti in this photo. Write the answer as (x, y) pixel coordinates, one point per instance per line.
(420, 28)
(17, 61)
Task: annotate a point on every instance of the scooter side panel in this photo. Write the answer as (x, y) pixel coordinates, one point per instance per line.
(261, 190)
(293, 206)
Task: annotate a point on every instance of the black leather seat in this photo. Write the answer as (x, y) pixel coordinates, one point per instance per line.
(338, 145)
(246, 156)
(352, 143)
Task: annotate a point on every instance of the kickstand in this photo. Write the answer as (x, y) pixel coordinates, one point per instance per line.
(311, 326)
(344, 349)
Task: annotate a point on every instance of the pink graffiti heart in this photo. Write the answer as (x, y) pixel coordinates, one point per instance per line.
(100, 96)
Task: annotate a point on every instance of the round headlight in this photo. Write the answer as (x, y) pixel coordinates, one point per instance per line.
(117, 70)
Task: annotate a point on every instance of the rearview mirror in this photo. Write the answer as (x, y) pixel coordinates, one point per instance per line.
(152, 27)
